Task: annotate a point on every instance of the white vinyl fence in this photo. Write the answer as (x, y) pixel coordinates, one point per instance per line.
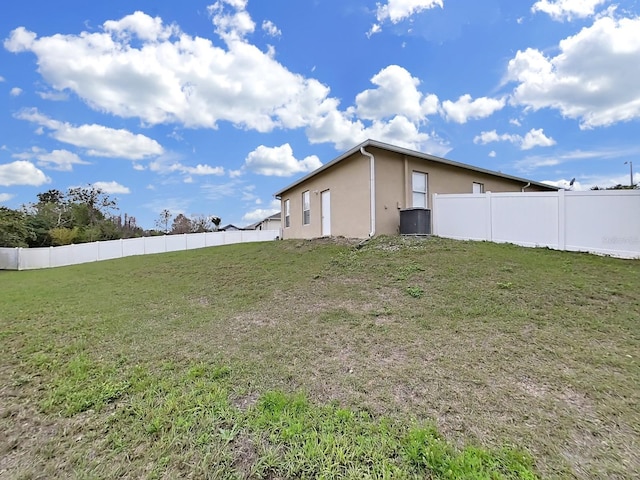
(33, 258)
(602, 221)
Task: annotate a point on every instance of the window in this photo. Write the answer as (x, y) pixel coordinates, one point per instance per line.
(287, 214)
(306, 209)
(478, 187)
(419, 187)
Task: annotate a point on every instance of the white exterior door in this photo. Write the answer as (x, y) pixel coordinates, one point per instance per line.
(325, 200)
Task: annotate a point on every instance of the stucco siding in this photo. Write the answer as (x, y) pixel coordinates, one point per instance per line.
(348, 183)
(348, 180)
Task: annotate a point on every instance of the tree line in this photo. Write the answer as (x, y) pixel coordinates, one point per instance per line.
(84, 214)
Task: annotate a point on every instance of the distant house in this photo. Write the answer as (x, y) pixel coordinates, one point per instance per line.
(230, 228)
(362, 192)
(272, 222)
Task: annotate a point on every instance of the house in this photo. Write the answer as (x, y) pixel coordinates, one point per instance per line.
(272, 222)
(362, 192)
(230, 228)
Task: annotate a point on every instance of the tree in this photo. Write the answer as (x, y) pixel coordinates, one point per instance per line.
(163, 222)
(14, 230)
(618, 187)
(181, 224)
(94, 200)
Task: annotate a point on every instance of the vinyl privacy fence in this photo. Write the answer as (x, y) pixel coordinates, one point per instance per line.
(603, 221)
(34, 258)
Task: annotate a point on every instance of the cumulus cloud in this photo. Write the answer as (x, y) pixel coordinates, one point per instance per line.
(397, 10)
(465, 108)
(112, 187)
(270, 29)
(396, 94)
(533, 138)
(62, 160)
(15, 91)
(259, 214)
(97, 140)
(279, 162)
(22, 172)
(140, 67)
(165, 166)
(593, 78)
(567, 9)
(5, 197)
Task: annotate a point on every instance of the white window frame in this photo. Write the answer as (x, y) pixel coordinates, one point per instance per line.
(480, 187)
(287, 213)
(418, 192)
(306, 208)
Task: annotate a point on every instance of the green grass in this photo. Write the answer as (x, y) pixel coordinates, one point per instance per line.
(405, 358)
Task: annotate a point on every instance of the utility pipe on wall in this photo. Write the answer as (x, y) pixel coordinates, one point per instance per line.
(372, 179)
(526, 186)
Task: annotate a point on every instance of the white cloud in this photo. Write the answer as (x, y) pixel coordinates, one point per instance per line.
(492, 154)
(533, 162)
(54, 96)
(112, 187)
(397, 94)
(62, 160)
(165, 165)
(465, 108)
(398, 10)
(567, 9)
(566, 184)
(259, 214)
(270, 29)
(97, 140)
(593, 78)
(15, 92)
(536, 138)
(1, 79)
(533, 138)
(22, 172)
(139, 67)
(5, 197)
(279, 161)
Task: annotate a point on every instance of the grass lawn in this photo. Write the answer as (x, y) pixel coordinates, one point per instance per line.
(406, 358)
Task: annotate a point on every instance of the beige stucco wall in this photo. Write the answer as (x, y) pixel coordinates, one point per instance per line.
(394, 189)
(348, 182)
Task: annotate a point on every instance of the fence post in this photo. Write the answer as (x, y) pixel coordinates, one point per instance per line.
(18, 260)
(488, 207)
(562, 220)
(434, 215)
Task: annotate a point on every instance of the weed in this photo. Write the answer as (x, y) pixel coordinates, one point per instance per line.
(415, 292)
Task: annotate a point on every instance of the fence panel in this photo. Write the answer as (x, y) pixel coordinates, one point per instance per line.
(605, 222)
(517, 219)
(33, 258)
(133, 246)
(462, 217)
(109, 250)
(9, 257)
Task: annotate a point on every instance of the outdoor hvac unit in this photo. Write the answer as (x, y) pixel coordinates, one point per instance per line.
(415, 221)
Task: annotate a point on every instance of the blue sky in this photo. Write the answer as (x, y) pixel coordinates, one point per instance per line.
(210, 107)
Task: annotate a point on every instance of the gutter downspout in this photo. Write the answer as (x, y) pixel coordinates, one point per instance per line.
(372, 180)
(526, 186)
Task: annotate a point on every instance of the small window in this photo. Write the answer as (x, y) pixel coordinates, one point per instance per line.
(419, 187)
(306, 208)
(478, 187)
(287, 214)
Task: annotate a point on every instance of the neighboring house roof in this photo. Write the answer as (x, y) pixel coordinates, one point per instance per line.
(413, 153)
(230, 227)
(253, 226)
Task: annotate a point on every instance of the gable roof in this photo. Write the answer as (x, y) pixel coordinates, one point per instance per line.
(413, 153)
